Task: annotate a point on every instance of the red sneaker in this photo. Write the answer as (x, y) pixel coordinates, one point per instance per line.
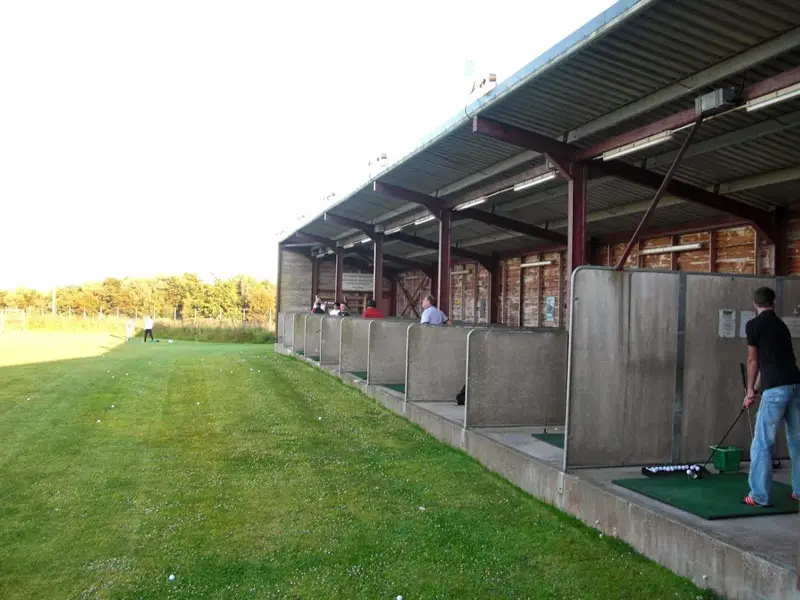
(748, 500)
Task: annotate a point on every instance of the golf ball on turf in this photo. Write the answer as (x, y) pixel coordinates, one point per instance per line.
(689, 471)
(98, 420)
(172, 577)
(399, 598)
(112, 406)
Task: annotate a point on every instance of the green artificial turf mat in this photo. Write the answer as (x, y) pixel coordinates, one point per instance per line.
(554, 439)
(712, 497)
(314, 358)
(299, 352)
(397, 387)
(359, 374)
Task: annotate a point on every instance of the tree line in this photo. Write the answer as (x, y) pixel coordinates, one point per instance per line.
(175, 296)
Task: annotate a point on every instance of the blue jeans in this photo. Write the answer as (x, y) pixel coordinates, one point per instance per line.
(777, 404)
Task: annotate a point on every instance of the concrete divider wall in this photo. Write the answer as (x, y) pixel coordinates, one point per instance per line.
(353, 345)
(652, 377)
(311, 342)
(330, 340)
(712, 384)
(279, 328)
(622, 363)
(516, 378)
(288, 329)
(299, 333)
(436, 362)
(386, 356)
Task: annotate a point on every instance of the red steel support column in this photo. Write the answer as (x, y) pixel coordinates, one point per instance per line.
(495, 291)
(377, 269)
(578, 241)
(339, 292)
(443, 289)
(577, 247)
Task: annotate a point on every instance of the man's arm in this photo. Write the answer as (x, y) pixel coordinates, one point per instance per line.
(752, 370)
(426, 317)
(752, 374)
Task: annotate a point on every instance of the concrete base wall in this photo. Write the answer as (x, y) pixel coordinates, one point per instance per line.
(516, 377)
(330, 340)
(436, 363)
(311, 341)
(386, 358)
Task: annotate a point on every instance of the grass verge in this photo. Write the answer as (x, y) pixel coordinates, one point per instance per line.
(250, 475)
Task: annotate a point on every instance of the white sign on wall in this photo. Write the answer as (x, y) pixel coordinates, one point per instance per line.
(793, 323)
(357, 282)
(727, 323)
(744, 317)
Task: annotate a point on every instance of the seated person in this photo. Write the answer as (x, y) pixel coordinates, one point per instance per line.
(432, 315)
(343, 310)
(318, 310)
(372, 311)
(334, 312)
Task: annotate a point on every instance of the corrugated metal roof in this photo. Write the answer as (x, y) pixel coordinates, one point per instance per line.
(629, 52)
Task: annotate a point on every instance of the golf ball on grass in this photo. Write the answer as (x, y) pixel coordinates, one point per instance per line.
(172, 577)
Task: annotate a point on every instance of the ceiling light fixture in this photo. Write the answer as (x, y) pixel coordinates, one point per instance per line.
(647, 142)
(535, 181)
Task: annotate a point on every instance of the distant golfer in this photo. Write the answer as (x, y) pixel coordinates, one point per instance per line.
(129, 329)
(769, 345)
(148, 328)
(432, 315)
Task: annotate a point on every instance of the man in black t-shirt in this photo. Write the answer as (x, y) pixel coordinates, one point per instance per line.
(770, 351)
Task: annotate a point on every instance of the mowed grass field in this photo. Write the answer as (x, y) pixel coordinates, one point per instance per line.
(251, 475)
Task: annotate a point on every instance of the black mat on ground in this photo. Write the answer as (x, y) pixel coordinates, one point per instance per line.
(359, 374)
(554, 439)
(299, 352)
(314, 358)
(712, 497)
(397, 387)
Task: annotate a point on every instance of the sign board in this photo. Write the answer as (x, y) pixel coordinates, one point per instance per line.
(357, 282)
(727, 323)
(793, 323)
(550, 309)
(744, 317)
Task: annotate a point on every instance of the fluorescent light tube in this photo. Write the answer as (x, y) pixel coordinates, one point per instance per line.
(471, 203)
(540, 263)
(424, 220)
(670, 249)
(535, 181)
(647, 142)
(393, 230)
(365, 241)
(793, 91)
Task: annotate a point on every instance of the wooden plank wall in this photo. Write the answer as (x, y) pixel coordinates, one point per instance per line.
(524, 291)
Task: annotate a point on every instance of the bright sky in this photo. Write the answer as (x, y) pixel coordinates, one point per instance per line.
(139, 138)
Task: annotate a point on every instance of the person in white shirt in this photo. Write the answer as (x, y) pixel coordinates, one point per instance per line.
(432, 315)
(335, 310)
(148, 328)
